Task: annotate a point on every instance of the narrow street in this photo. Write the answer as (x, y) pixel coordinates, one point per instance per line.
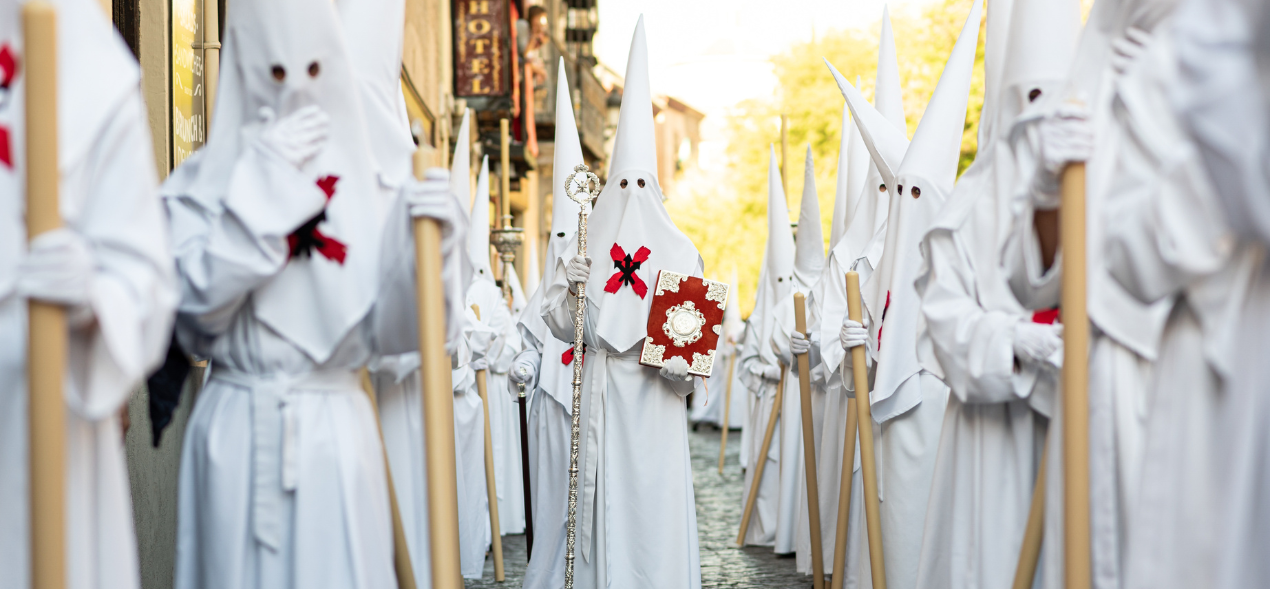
(723, 565)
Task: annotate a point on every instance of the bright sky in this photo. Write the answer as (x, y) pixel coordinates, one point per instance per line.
(713, 54)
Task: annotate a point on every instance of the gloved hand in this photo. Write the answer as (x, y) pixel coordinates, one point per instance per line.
(1125, 51)
(675, 368)
(1034, 343)
(431, 198)
(578, 269)
(479, 364)
(58, 268)
(298, 137)
(852, 334)
(772, 373)
(799, 344)
(523, 371)
(1067, 136)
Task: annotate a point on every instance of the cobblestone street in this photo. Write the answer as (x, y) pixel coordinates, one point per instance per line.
(723, 565)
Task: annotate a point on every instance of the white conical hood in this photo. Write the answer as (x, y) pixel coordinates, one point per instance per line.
(780, 237)
(630, 220)
(809, 250)
(995, 44)
(1043, 37)
(518, 292)
(886, 143)
(932, 159)
(374, 31)
(461, 165)
(924, 182)
(888, 98)
(478, 227)
(853, 166)
(568, 154)
(635, 143)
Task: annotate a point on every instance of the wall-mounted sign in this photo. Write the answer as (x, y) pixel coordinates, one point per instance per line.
(189, 126)
(481, 49)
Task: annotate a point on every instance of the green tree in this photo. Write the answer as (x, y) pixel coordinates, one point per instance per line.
(728, 221)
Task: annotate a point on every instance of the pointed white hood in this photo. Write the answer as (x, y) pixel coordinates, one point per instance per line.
(374, 31)
(809, 250)
(461, 164)
(886, 143)
(630, 219)
(778, 265)
(924, 181)
(315, 299)
(478, 227)
(853, 166)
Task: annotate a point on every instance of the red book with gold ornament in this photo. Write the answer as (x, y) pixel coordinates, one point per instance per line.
(686, 320)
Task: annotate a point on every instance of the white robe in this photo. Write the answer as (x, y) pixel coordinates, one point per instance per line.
(637, 519)
(475, 534)
(762, 399)
(108, 198)
(327, 522)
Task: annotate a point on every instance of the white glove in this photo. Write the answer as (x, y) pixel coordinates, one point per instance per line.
(1067, 136)
(852, 334)
(675, 368)
(1035, 343)
(523, 371)
(1125, 51)
(58, 268)
(578, 269)
(479, 364)
(297, 137)
(431, 198)
(771, 373)
(799, 344)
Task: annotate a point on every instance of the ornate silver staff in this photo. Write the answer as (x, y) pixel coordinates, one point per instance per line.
(583, 187)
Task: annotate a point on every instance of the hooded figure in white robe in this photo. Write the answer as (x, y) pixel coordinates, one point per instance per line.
(296, 268)
(109, 266)
(636, 519)
(762, 368)
(1000, 360)
(1127, 332)
(908, 398)
(547, 369)
(377, 55)
(1220, 97)
(856, 246)
(809, 261)
(709, 408)
(496, 359)
(1170, 240)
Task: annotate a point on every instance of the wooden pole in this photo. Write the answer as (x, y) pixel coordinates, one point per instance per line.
(761, 459)
(1076, 549)
(727, 410)
(1030, 553)
(46, 327)
(844, 500)
(490, 488)
(809, 449)
(505, 196)
(864, 423)
(438, 396)
(211, 58)
(400, 549)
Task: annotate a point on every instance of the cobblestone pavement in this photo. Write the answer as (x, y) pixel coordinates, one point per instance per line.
(723, 565)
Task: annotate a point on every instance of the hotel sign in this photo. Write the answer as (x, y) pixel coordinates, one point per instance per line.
(481, 48)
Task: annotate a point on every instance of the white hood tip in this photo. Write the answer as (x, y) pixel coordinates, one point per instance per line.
(809, 247)
(478, 229)
(461, 165)
(568, 154)
(635, 144)
(780, 237)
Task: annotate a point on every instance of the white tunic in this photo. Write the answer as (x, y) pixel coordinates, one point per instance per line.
(637, 520)
(762, 393)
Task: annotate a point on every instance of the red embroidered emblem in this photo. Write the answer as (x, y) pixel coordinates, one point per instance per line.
(8, 66)
(6, 153)
(1047, 316)
(626, 266)
(303, 241)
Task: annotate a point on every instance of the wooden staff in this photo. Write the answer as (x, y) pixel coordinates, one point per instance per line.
(438, 395)
(490, 488)
(844, 499)
(809, 449)
(211, 58)
(46, 327)
(1076, 549)
(1030, 552)
(761, 459)
(864, 423)
(400, 549)
(727, 410)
